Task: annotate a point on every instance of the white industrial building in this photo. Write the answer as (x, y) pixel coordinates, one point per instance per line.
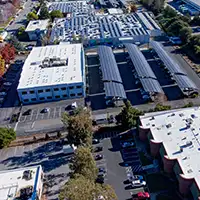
(26, 183)
(53, 73)
(193, 3)
(36, 27)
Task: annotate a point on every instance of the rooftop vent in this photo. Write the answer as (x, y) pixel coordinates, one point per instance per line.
(27, 175)
(190, 171)
(168, 125)
(169, 133)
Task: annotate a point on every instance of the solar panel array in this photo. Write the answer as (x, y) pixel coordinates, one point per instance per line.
(144, 71)
(109, 68)
(183, 81)
(113, 89)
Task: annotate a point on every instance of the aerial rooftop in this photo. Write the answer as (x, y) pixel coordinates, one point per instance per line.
(13, 182)
(179, 131)
(52, 65)
(37, 24)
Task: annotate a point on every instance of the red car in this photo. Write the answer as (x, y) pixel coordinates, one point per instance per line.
(141, 196)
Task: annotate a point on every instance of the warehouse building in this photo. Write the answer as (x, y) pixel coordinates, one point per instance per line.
(177, 73)
(36, 28)
(174, 139)
(104, 29)
(26, 183)
(193, 3)
(53, 73)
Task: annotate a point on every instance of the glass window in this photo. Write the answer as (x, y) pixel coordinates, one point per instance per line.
(78, 86)
(42, 98)
(64, 95)
(47, 90)
(63, 88)
(26, 100)
(57, 97)
(24, 92)
(32, 92)
(71, 87)
(80, 94)
(40, 91)
(56, 89)
(72, 95)
(49, 97)
(33, 99)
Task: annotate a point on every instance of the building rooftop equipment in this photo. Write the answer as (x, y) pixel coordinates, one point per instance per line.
(115, 11)
(37, 24)
(20, 183)
(178, 131)
(52, 65)
(109, 68)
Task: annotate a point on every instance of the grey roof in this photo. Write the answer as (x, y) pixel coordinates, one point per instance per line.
(102, 2)
(141, 65)
(171, 64)
(151, 85)
(108, 63)
(184, 82)
(113, 89)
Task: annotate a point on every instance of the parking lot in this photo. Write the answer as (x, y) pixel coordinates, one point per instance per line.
(115, 160)
(47, 154)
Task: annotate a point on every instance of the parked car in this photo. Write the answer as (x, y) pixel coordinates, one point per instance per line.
(7, 84)
(175, 40)
(141, 196)
(27, 112)
(95, 141)
(19, 62)
(102, 169)
(45, 110)
(101, 174)
(3, 93)
(100, 180)
(98, 149)
(138, 183)
(135, 177)
(127, 144)
(98, 157)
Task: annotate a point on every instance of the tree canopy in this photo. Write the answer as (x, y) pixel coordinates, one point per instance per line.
(82, 188)
(7, 135)
(55, 14)
(32, 16)
(128, 116)
(7, 52)
(15, 42)
(44, 13)
(2, 66)
(79, 127)
(83, 163)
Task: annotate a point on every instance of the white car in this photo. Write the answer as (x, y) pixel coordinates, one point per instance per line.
(7, 84)
(3, 93)
(138, 183)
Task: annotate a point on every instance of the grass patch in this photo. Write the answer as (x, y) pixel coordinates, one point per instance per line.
(144, 160)
(158, 182)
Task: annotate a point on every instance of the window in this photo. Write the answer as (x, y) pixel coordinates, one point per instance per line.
(33, 99)
(26, 100)
(42, 98)
(24, 92)
(55, 89)
(57, 97)
(72, 95)
(49, 97)
(78, 86)
(80, 94)
(40, 91)
(71, 87)
(47, 90)
(64, 95)
(63, 88)
(32, 92)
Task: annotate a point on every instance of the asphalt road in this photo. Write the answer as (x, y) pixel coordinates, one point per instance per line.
(20, 20)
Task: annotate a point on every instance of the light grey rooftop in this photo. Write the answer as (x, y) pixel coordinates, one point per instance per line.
(37, 24)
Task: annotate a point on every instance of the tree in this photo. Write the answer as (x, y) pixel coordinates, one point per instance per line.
(7, 135)
(128, 116)
(83, 163)
(132, 7)
(21, 34)
(32, 16)
(8, 53)
(185, 34)
(2, 66)
(56, 14)
(160, 107)
(175, 27)
(79, 127)
(15, 42)
(44, 13)
(169, 12)
(85, 189)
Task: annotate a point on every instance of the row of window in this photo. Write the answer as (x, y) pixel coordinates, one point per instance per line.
(48, 90)
(50, 97)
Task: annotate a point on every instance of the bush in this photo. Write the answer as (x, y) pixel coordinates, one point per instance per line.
(160, 107)
(7, 135)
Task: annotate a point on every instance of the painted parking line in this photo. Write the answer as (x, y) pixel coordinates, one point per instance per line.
(38, 111)
(31, 115)
(54, 114)
(60, 111)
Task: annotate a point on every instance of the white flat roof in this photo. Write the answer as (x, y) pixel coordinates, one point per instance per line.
(69, 71)
(178, 129)
(37, 24)
(11, 182)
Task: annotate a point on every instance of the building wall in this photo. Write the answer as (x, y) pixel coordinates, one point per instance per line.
(195, 191)
(33, 37)
(192, 4)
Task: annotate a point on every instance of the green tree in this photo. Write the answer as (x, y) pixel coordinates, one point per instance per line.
(169, 12)
(7, 135)
(44, 13)
(79, 127)
(83, 163)
(82, 188)
(56, 14)
(15, 42)
(21, 34)
(175, 27)
(32, 16)
(128, 116)
(160, 107)
(185, 34)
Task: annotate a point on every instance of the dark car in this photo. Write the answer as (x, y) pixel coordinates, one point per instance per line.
(45, 110)
(98, 157)
(102, 169)
(100, 179)
(95, 141)
(27, 112)
(98, 149)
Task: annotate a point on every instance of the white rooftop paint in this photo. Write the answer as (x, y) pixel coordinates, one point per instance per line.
(11, 182)
(37, 24)
(178, 129)
(33, 75)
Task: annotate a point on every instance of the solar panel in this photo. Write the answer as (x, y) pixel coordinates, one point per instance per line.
(108, 63)
(141, 65)
(184, 82)
(171, 64)
(151, 85)
(113, 89)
